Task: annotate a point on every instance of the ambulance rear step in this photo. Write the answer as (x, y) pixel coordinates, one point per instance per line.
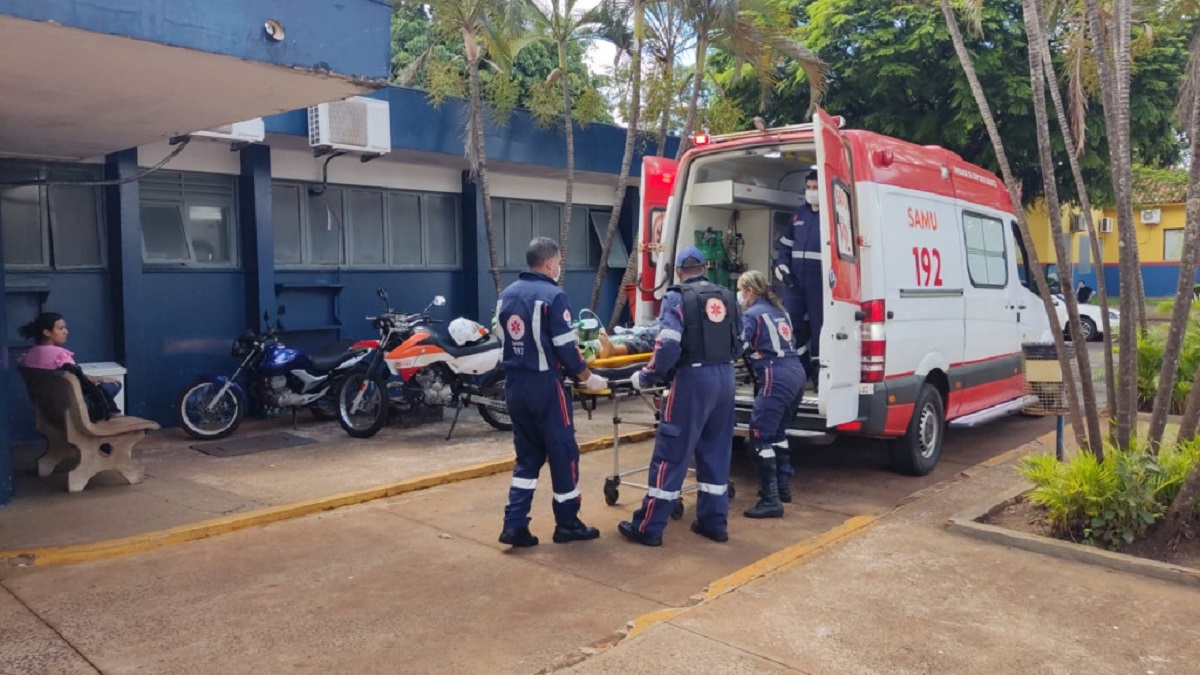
(743, 430)
(808, 404)
(993, 413)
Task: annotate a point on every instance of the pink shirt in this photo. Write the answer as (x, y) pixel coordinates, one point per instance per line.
(47, 357)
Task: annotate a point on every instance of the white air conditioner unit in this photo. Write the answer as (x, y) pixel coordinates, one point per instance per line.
(1106, 226)
(358, 124)
(250, 131)
(1077, 223)
(1151, 216)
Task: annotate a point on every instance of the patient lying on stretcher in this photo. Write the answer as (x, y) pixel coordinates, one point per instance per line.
(626, 341)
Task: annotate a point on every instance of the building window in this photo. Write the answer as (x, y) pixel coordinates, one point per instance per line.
(520, 221)
(987, 261)
(54, 226)
(1173, 245)
(188, 219)
(364, 228)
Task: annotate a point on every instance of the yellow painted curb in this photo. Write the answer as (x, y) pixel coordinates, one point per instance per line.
(111, 548)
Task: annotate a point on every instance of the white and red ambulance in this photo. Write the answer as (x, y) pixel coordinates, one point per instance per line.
(926, 303)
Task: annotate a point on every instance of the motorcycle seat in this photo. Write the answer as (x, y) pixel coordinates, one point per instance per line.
(331, 356)
(467, 350)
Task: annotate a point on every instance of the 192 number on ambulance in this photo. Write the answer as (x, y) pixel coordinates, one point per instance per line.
(928, 262)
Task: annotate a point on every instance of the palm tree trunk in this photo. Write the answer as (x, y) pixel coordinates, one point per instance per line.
(1180, 515)
(1045, 155)
(985, 111)
(1130, 272)
(569, 127)
(685, 137)
(665, 117)
(1181, 312)
(477, 161)
(1085, 204)
(631, 130)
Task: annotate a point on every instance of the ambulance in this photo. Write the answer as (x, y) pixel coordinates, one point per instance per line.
(925, 304)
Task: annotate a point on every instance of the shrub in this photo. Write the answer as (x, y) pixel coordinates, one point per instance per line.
(1111, 502)
(1151, 346)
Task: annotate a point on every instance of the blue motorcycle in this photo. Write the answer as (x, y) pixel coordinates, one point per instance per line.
(276, 377)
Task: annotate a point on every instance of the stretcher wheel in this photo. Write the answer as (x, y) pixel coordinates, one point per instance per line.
(677, 512)
(611, 493)
(732, 489)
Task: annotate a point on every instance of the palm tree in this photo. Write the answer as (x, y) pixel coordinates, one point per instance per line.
(753, 32)
(985, 112)
(1037, 79)
(611, 8)
(491, 29)
(560, 22)
(667, 36)
(1070, 138)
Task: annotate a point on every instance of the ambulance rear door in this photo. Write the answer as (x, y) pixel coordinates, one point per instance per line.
(659, 175)
(840, 340)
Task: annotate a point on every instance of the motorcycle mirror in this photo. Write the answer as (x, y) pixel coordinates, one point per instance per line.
(439, 301)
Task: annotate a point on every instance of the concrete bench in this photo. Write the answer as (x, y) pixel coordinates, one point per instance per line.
(61, 416)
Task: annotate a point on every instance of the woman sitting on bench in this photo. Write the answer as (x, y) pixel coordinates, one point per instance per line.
(49, 333)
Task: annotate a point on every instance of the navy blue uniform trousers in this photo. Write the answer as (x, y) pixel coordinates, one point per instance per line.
(697, 420)
(780, 386)
(543, 429)
(806, 299)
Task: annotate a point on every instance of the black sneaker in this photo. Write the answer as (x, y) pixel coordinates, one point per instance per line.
(631, 533)
(576, 531)
(720, 537)
(518, 537)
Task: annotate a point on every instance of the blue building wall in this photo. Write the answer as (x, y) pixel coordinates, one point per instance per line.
(350, 38)
(1161, 280)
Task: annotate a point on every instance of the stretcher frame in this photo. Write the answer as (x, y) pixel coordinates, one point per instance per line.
(622, 390)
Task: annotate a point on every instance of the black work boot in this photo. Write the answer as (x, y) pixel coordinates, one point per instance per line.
(768, 505)
(783, 465)
(719, 536)
(631, 533)
(575, 531)
(519, 537)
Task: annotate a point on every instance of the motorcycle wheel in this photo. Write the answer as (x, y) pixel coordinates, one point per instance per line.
(209, 425)
(373, 414)
(494, 389)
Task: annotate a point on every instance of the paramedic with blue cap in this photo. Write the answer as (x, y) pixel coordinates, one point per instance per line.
(695, 351)
(533, 319)
(798, 265)
(767, 335)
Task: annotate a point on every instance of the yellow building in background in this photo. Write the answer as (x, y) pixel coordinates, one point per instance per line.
(1159, 219)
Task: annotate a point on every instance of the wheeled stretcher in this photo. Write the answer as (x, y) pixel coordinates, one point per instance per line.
(619, 371)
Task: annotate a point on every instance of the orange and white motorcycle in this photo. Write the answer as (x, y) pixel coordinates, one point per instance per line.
(411, 366)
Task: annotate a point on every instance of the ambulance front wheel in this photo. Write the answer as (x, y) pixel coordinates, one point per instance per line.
(917, 451)
(677, 512)
(611, 493)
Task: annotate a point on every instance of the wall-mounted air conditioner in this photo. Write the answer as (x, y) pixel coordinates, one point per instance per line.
(358, 124)
(250, 131)
(1151, 216)
(1077, 223)
(1106, 226)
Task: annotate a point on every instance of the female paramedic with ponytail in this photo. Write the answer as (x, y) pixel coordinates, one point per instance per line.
(770, 347)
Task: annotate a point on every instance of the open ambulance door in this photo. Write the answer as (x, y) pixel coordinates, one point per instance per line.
(840, 339)
(655, 268)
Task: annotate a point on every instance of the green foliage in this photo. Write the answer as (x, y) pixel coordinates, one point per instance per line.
(1111, 502)
(723, 116)
(895, 72)
(444, 79)
(501, 94)
(546, 104)
(589, 107)
(1150, 349)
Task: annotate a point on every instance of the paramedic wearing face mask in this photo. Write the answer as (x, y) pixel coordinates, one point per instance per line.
(534, 323)
(767, 334)
(696, 347)
(798, 260)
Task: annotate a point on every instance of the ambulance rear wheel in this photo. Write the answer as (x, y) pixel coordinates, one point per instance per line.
(677, 512)
(917, 451)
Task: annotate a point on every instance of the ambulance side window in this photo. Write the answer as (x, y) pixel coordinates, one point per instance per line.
(1022, 263)
(987, 251)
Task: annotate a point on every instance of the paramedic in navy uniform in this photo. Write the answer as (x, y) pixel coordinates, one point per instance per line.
(534, 324)
(767, 334)
(697, 345)
(799, 255)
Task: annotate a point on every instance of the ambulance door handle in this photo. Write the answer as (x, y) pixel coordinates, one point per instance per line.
(1020, 306)
(860, 315)
(842, 336)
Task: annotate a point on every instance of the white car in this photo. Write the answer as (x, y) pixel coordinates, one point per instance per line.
(1089, 315)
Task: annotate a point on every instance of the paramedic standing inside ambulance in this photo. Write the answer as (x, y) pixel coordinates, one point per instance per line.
(798, 265)
(767, 335)
(697, 345)
(534, 324)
